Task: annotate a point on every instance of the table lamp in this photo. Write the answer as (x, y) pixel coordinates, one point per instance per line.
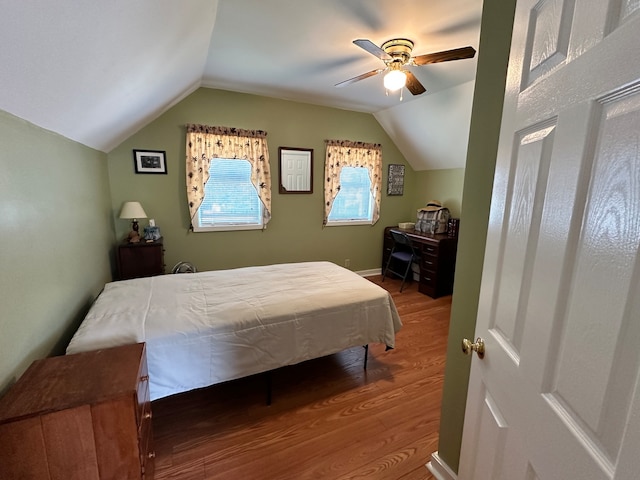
(133, 211)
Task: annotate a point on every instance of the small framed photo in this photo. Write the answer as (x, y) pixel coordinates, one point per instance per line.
(150, 161)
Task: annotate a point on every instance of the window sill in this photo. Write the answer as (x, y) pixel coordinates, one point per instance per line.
(227, 228)
(348, 223)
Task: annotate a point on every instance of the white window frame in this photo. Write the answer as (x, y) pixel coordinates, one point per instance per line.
(228, 227)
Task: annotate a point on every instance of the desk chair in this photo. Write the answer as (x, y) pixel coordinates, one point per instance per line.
(402, 256)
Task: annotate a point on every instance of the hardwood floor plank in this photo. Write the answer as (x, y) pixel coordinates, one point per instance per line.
(330, 419)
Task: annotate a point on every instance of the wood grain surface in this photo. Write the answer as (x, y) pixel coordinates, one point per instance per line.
(329, 419)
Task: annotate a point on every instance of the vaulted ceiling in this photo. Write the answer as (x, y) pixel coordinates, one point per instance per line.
(96, 72)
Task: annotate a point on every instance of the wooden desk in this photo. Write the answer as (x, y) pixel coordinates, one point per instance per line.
(79, 417)
(437, 259)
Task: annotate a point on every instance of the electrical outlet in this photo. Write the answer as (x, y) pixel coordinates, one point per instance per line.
(347, 263)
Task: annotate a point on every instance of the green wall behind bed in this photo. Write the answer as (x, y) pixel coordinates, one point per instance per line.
(295, 232)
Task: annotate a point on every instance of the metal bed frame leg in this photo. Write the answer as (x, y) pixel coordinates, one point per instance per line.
(268, 377)
(366, 355)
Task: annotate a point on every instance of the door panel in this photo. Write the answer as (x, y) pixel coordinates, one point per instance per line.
(557, 390)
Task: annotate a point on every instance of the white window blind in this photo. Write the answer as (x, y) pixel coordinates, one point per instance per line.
(354, 202)
(231, 201)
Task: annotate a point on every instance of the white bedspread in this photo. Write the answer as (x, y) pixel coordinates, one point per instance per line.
(209, 327)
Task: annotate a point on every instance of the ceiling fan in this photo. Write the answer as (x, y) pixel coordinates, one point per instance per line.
(396, 54)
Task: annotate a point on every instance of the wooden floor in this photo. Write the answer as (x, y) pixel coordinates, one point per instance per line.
(329, 418)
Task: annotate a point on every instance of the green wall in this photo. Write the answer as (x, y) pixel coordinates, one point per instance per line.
(295, 232)
(56, 232)
(442, 185)
(495, 40)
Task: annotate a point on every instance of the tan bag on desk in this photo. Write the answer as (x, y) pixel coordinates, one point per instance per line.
(433, 218)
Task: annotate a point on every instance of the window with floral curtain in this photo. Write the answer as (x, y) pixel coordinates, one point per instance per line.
(354, 156)
(205, 143)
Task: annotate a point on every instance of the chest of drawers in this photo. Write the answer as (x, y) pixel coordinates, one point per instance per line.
(85, 416)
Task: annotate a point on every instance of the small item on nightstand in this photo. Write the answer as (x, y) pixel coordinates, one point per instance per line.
(133, 237)
(151, 233)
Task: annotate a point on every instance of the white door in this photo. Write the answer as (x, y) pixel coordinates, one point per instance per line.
(557, 395)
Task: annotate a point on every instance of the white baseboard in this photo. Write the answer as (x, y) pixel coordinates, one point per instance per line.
(369, 273)
(440, 469)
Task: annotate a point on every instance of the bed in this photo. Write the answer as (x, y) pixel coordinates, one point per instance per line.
(210, 327)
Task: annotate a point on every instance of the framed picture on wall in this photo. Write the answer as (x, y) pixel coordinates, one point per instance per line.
(395, 181)
(295, 170)
(150, 161)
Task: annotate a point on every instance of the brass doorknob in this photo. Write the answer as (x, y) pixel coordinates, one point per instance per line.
(478, 347)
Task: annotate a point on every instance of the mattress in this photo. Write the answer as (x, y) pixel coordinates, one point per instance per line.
(210, 327)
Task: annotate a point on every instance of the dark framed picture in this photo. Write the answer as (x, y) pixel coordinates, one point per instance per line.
(295, 170)
(150, 161)
(395, 182)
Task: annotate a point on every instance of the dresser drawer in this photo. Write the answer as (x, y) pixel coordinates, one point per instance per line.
(428, 278)
(147, 455)
(428, 249)
(429, 263)
(142, 390)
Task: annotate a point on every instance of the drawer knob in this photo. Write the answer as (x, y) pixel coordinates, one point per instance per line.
(151, 455)
(148, 415)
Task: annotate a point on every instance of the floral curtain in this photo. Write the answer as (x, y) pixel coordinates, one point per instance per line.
(345, 153)
(205, 143)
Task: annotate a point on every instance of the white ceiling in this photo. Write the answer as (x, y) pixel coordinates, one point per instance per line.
(96, 72)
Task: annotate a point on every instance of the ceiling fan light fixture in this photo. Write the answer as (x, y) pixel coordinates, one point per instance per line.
(395, 80)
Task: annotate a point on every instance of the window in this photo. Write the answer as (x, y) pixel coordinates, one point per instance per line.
(231, 201)
(354, 202)
(221, 163)
(352, 183)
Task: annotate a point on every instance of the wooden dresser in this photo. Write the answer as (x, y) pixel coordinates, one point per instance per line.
(85, 416)
(437, 259)
(140, 259)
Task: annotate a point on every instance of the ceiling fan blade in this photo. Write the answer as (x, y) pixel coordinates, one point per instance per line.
(413, 84)
(445, 56)
(372, 48)
(360, 77)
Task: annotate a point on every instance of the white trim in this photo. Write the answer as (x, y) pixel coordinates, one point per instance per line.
(344, 223)
(440, 469)
(227, 227)
(370, 273)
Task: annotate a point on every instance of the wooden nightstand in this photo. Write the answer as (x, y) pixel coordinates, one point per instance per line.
(85, 416)
(140, 259)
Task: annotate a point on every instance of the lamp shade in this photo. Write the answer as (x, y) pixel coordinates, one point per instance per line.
(395, 80)
(132, 210)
